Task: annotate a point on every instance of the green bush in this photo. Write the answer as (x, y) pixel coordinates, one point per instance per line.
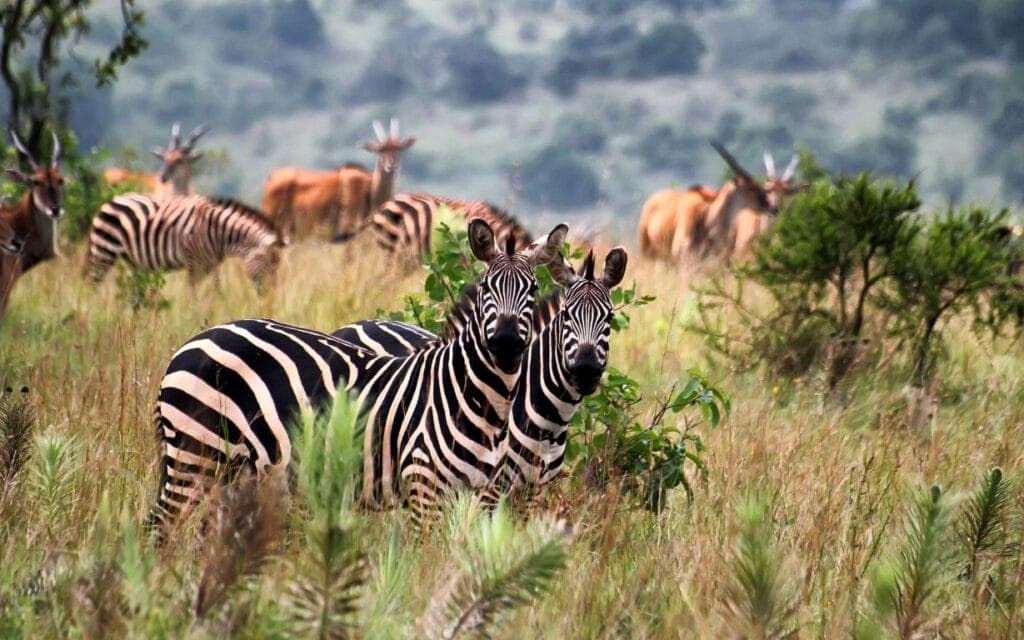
(955, 264)
(847, 263)
(823, 258)
(556, 178)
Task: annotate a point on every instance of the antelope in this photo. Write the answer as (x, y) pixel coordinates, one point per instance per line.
(299, 200)
(743, 209)
(670, 214)
(32, 220)
(175, 177)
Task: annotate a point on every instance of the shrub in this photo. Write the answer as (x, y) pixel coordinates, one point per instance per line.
(953, 265)
(556, 178)
(846, 262)
(477, 71)
(609, 443)
(823, 258)
(664, 148)
(673, 48)
(296, 23)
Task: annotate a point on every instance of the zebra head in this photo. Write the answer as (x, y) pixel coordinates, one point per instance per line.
(584, 321)
(504, 309)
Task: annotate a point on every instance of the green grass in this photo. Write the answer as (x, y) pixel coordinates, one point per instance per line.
(836, 485)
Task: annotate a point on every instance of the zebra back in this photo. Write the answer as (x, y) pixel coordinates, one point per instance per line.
(405, 223)
(175, 232)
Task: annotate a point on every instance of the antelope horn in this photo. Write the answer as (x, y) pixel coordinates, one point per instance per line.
(55, 156)
(196, 134)
(378, 130)
(175, 135)
(394, 128)
(769, 163)
(20, 146)
(731, 161)
(791, 168)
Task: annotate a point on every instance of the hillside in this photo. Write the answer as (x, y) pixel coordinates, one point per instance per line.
(575, 104)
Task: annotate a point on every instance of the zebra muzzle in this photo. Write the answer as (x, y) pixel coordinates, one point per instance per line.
(506, 345)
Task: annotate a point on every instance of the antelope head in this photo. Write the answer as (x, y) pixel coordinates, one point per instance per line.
(45, 182)
(768, 194)
(177, 158)
(389, 145)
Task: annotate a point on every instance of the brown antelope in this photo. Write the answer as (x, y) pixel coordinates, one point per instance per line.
(175, 177)
(743, 209)
(32, 219)
(673, 213)
(300, 200)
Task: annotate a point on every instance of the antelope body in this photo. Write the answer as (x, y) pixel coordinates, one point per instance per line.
(743, 209)
(175, 177)
(31, 222)
(670, 216)
(299, 201)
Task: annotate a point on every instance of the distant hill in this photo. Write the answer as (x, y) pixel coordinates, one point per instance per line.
(587, 105)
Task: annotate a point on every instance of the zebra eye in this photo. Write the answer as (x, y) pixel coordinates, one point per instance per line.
(611, 316)
(533, 289)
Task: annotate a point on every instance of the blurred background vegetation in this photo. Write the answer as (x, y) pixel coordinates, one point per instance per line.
(572, 104)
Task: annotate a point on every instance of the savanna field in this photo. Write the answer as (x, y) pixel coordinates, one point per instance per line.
(808, 508)
(811, 424)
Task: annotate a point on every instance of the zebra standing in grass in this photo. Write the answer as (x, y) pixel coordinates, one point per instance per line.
(176, 232)
(405, 223)
(563, 363)
(434, 420)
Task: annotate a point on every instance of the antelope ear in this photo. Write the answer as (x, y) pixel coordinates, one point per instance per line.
(158, 152)
(546, 249)
(614, 267)
(195, 155)
(408, 142)
(481, 240)
(18, 175)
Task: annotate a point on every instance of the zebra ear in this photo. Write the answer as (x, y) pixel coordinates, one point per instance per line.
(546, 249)
(481, 240)
(561, 271)
(614, 267)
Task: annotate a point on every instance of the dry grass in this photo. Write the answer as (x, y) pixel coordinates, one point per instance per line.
(837, 483)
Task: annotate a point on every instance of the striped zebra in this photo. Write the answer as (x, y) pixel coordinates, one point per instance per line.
(176, 232)
(563, 364)
(405, 223)
(434, 419)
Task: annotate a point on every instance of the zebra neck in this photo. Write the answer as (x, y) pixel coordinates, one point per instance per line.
(544, 402)
(545, 399)
(486, 389)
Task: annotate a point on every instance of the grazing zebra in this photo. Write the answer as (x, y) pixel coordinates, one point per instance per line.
(434, 419)
(192, 232)
(563, 363)
(405, 223)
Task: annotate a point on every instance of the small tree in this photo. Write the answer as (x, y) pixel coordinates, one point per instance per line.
(826, 254)
(956, 264)
(34, 32)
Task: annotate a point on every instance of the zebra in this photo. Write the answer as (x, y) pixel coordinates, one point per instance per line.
(405, 223)
(563, 364)
(434, 419)
(193, 232)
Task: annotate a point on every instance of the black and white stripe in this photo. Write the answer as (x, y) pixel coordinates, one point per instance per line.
(193, 232)
(405, 224)
(434, 419)
(563, 364)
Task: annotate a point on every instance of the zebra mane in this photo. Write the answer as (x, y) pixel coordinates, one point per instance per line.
(518, 227)
(243, 208)
(544, 310)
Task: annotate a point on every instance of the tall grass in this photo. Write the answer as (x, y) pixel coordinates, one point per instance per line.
(838, 488)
